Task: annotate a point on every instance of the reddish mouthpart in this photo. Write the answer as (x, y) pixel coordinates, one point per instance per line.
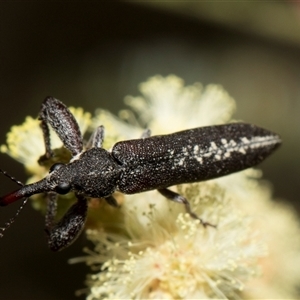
(11, 197)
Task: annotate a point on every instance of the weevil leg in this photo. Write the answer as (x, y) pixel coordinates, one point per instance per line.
(66, 231)
(96, 139)
(46, 135)
(146, 133)
(180, 199)
(112, 201)
(57, 115)
(50, 211)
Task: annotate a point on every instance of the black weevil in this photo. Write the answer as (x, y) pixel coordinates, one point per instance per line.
(134, 166)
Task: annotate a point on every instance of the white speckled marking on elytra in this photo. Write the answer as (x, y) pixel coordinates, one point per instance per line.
(199, 160)
(224, 149)
(185, 152)
(181, 161)
(196, 149)
(171, 151)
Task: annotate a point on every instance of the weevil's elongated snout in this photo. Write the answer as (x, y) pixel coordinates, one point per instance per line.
(25, 191)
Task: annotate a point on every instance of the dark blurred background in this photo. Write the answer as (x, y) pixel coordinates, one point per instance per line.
(92, 54)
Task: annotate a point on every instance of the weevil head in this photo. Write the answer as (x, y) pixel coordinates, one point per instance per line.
(94, 173)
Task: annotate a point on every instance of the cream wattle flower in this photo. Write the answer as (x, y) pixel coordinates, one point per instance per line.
(149, 248)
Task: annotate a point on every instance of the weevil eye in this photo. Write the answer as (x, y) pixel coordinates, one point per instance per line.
(63, 188)
(55, 167)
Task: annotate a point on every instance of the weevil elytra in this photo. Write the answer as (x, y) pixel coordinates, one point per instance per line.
(134, 166)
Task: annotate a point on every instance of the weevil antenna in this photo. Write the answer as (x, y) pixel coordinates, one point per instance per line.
(11, 177)
(11, 220)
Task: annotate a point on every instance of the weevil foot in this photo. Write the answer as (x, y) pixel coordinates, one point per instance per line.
(170, 195)
(112, 201)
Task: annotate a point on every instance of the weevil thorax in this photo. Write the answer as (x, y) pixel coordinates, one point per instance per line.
(94, 173)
